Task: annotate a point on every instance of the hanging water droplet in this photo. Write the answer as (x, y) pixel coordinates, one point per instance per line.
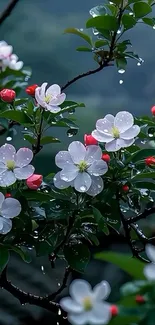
(25, 129)
(43, 270)
(119, 31)
(83, 188)
(121, 71)
(72, 111)
(140, 62)
(153, 27)
(95, 32)
(72, 132)
(121, 82)
(57, 323)
(59, 284)
(8, 139)
(59, 311)
(130, 13)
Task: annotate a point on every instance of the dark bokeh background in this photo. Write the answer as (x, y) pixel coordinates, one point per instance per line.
(35, 29)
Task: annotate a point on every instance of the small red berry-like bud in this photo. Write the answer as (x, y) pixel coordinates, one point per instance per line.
(140, 299)
(150, 161)
(34, 181)
(89, 140)
(125, 188)
(7, 95)
(8, 195)
(114, 310)
(30, 90)
(105, 157)
(153, 110)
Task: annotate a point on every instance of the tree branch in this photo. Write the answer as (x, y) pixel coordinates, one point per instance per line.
(8, 10)
(143, 215)
(63, 286)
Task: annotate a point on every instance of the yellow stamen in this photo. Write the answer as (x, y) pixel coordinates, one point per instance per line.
(115, 132)
(47, 99)
(10, 164)
(82, 166)
(87, 303)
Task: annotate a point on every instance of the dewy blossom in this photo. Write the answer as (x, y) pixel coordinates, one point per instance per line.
(9, 208)
(81, 168)
(117, 132)
(149, 269)
(14, 165)
(50, 98)
(7, 58)
(87, 306)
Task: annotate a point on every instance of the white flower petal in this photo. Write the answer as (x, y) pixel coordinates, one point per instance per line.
(82, 182)
(104, 125)
(96, 186)
(53, 90)
(1, 223)
(110, 118)
(78, 319)
(69, 173)
(52, 109)
(130, 133)
(123, 121)
(102, 137)
(59, 183)
(126, 143)
(7, 226)
(24, 172)
(70, 305)
(19, 65)
(98, 167)
(80, 289)
(7, 152)
(149, 271)
(100, 314)
(77, 151)
(93, 152)
(117, 144)
(2, 198)
(10, 208)
(59, 100)
(39, 99)
(7, 178)
(23, 157)
(101, 291)
(62, 159)
(42, 89)
(3, 167)
(150, 252)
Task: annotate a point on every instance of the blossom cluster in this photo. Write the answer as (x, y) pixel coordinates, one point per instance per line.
(8, 58)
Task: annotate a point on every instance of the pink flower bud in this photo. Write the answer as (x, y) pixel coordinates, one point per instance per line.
(34, 181)
(89, 140)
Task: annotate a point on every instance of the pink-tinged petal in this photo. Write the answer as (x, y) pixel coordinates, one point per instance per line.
(104, 126)
(7, 178)
(7, 152)
(130, 133)
(82, 182)
(23, 157)
(59, 183)
(62, 158)
(78, 319)
(69, 305)
(100, 314)
(102, 137)
(24, 172)
(98, 167)
(2, 198)
(19, 65)
(53, 90)
(123, 121)
(77, 151)
(149, 271)
(52, 109)
(69, 173)
(101, 291)
(150, 252)
(96, 186)
(58, 100)
(39, 99)
(80, 289)
(10, 208)
(93, 152)
(7, 226)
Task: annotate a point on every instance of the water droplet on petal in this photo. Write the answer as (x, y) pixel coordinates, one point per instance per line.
(83, 188)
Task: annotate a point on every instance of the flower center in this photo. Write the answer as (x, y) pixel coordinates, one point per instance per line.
(87, 303)
(115, 132)
(10, 164)
(47, 99)
(82, 166)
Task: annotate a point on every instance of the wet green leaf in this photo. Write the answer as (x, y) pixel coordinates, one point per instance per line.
(77, 256)
(104, 22)
(78, 32)
(141, 9)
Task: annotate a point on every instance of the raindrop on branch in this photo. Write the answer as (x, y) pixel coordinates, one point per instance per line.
(43, 270)
(59, 312)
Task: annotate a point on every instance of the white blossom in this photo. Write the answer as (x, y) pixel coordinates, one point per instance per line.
(9, 208)
(14, 165)
(149, 269)
(7, 58)
(50, 98)
(81, 168)
(87, 306)
(117, 132)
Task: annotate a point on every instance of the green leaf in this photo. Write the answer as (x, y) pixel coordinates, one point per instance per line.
(140, 155)
(127, 263)
(132, 288)
(128, 21)
(145, 185)
(100, 43)
(100, 221)
(141, 9)
(149, 21)
(83, 49)
(77, 256)
(36, 196)
(77, 31)
(49, 139)
(121, 63)
(144, 175)
(4, 123)
(22, 252)
(4, 257)
(44, 248)
(30, 138)
(18, 116)
(104, 22)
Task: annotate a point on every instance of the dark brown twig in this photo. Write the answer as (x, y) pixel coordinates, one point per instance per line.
(8, 10)
(143, 215)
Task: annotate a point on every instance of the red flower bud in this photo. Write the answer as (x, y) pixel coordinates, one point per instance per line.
(105, 157)
(140, 299)
(125, 188)
(8, 195)
(153, 110)
(150, 161)
(7, 95)
(89, 140)
(114, 310)
(34, 181)
(30, 90)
